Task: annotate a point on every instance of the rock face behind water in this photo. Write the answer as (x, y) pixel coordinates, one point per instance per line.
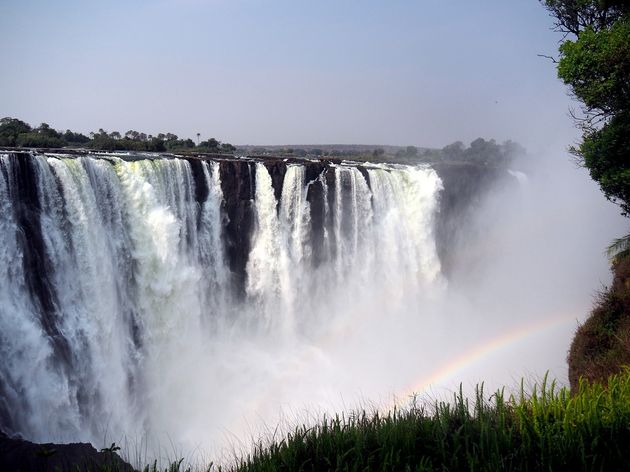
(464, 187)
(18, 455)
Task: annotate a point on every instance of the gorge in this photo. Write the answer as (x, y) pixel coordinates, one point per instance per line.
(196, 299)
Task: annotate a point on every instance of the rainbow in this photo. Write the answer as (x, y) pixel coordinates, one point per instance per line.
(476, 354)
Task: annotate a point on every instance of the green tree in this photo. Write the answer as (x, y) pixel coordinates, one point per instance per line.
(211, 144)
(132, 135)
(228, 148)
(575, 16)
(10, 129)
(71, 137)
(596, 66)
(39, 140)
(45, 130)
(606, 154)
(411, 151)
(453, 151)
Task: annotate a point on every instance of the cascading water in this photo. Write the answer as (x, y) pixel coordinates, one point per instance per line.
(185, 297)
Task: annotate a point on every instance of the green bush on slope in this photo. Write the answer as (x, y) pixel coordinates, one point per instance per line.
(601, 346)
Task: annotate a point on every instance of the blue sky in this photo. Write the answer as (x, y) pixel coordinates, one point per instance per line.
(272, 72)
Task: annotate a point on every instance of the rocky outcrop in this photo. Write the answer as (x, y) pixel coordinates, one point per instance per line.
(238, 187)
(277, 168)
(18, 455)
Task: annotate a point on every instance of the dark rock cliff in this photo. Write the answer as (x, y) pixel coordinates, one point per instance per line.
(238, 183)
(464, 187)
(464, 184)
(18, 455)
(238, 186)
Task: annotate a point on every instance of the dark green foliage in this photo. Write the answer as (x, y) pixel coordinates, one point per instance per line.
(10, 129)
(133, 141)
(596, 66)
(35, 139)
(409, 151)
(45, 130)
(106, 143)
(16, 133)
(71, 137)
(488, 152)
(214, 146)
(454, 150)
(173, 143)
(480, 151)
(574, 16)
(606, 154)
(549, 430)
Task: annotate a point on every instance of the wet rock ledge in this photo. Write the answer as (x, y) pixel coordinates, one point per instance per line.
(18, 455)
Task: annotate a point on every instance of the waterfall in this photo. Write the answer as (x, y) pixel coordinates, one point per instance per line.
(121, 303)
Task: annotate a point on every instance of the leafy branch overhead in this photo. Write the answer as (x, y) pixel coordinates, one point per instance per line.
(595, 64)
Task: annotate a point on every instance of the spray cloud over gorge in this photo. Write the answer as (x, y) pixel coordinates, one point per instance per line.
(204, 300)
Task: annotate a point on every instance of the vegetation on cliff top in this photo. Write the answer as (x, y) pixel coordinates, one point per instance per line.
(17, 133)
(480, 152)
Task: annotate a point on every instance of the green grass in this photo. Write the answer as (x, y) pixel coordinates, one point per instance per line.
(546, 430)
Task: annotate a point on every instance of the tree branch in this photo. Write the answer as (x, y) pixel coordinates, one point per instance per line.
(553, 59)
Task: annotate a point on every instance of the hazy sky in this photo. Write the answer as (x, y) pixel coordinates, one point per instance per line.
(424, 72)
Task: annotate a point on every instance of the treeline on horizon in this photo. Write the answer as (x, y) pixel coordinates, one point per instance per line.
(17, 133)
(480, 151)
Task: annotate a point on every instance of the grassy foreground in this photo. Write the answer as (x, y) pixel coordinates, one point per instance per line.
(546, 430)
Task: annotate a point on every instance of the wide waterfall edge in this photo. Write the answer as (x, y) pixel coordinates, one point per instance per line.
(245, 191)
